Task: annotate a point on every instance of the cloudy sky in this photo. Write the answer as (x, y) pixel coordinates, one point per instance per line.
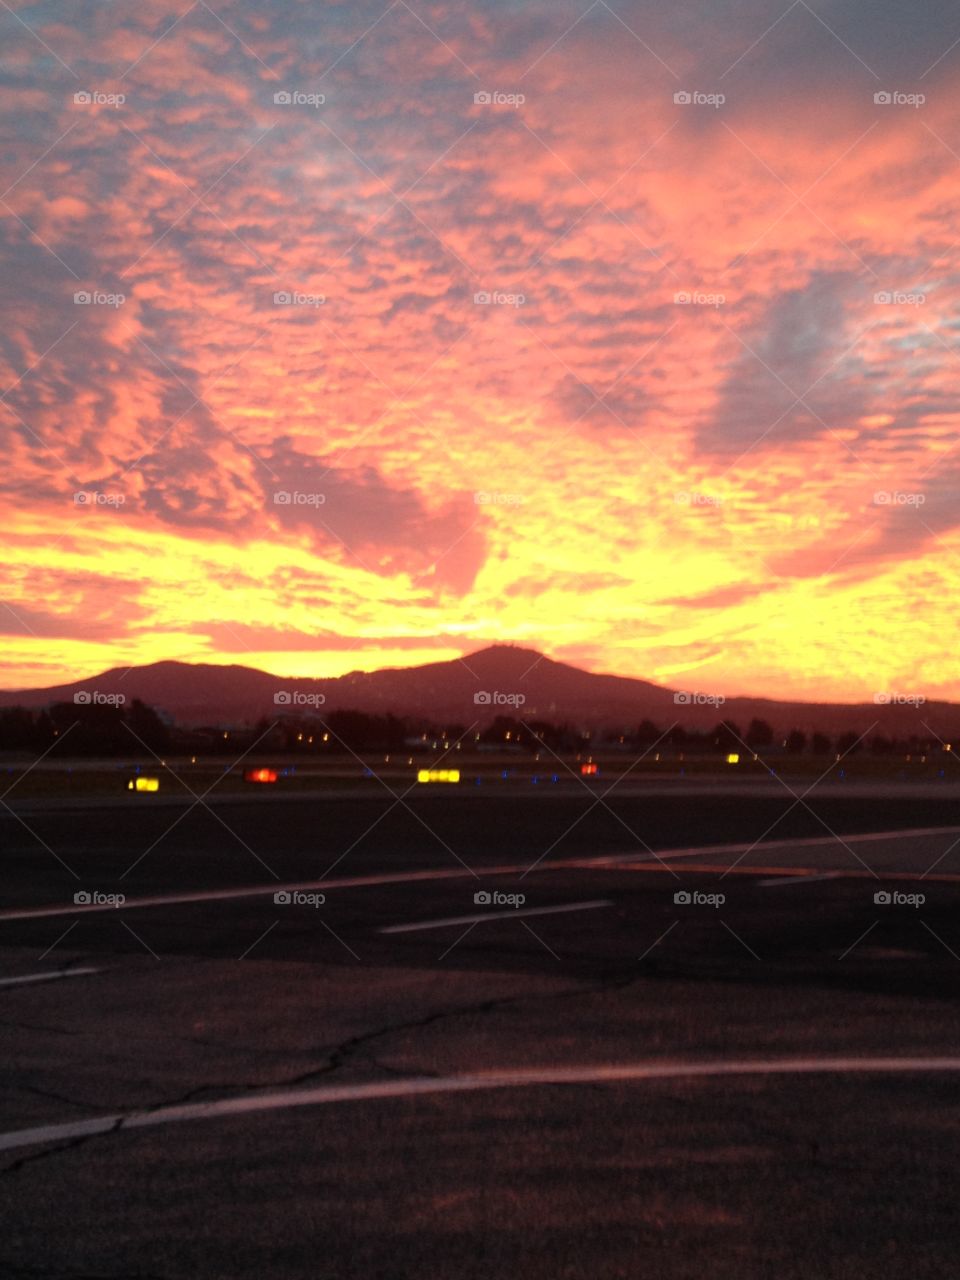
(372, 333)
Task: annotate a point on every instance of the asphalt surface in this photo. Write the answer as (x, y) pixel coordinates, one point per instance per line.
(401, 1080)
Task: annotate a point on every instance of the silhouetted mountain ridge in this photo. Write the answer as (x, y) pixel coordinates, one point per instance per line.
(474, 688)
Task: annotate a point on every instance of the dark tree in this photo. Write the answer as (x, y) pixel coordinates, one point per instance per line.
(647, 734)
(146, 728)
(727, 736)
(760, 734)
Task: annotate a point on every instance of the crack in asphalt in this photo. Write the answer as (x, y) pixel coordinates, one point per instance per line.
(57, 1097)
(336, 1058)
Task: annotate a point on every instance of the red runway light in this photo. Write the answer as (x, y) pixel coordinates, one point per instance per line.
(260, 775)
(588, 770)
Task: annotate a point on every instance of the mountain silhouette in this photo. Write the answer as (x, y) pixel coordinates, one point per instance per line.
(471, 689)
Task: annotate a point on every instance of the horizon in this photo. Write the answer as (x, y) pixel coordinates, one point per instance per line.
(540, 656)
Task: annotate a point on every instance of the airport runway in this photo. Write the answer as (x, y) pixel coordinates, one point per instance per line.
(583, 1075)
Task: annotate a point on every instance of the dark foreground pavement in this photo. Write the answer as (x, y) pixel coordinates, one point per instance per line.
(820, 1170)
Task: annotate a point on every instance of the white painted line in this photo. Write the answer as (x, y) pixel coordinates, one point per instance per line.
(282, 1100)
(514, 914)
(50, 976)
(774, 881)
(807, 843)
(412, 877)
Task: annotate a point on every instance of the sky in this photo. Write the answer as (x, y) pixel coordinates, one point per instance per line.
(341, 336)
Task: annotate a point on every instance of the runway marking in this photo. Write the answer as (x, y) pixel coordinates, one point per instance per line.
(627, 861)
(282, 1100)
(49, 976)
(809, 842)
(794, 873)
(513, 914)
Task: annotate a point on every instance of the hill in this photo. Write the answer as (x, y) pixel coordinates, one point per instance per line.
(501, 679)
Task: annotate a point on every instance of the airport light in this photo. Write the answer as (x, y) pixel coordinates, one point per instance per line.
(438, 775)
(733, 758)
(260, 775)
(589, 770)
(142, 783)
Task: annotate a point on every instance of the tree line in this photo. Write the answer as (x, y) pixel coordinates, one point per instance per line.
(68, 729)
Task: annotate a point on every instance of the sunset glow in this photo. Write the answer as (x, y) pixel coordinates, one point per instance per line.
(660, 387)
